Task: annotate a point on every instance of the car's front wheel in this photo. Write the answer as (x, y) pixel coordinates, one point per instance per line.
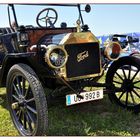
(26, 101)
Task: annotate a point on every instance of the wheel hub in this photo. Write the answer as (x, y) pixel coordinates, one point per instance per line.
(20, 104)
(22, 101)
(128, 85)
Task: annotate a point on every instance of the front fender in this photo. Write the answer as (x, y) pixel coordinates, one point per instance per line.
(10, 60)
(134, 59)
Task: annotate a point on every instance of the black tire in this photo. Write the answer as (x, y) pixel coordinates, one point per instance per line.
(124, 74)
(26, 101)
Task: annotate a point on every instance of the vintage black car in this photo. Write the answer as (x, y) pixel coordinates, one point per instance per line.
(62, 59)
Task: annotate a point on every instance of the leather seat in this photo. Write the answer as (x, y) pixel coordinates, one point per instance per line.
(5, 30)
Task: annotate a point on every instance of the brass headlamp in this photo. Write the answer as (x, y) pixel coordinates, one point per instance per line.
(113, 50)
(56, 56)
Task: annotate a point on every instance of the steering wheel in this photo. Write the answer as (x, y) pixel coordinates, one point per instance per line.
(47, 16)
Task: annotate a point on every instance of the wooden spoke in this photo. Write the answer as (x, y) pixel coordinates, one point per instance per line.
(30, 100)
(119, 76)
(15, 97)
(24, 121)
(136, 87)
(27, 91)
(31, 109)
(19, 85)
(136, 82)
(124, 73)
(126, 101)
(23, 86)
(136, 93)
(135, 75)
(17, 91)
(31, 117)
(121, 95)
(129, 74)
(133, 99)
(117, 82)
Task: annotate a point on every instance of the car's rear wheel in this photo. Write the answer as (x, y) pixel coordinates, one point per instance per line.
(26, 101)
(124, 74)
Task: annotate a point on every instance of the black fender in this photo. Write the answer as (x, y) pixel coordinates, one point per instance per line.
(137, 54)
(134, 59)
(11, 59)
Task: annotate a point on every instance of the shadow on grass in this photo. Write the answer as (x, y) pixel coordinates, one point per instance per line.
(97, 118)
(3, 101)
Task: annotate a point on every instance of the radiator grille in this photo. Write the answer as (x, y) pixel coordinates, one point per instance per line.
(88, 66)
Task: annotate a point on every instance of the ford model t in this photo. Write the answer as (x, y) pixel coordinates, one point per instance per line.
(60, 58)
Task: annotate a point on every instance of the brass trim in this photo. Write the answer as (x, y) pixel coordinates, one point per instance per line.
(107, 49)
(83, 55)
(48, 52)
(84, 76)
(78, 22)
(64, 74)
(79, 38)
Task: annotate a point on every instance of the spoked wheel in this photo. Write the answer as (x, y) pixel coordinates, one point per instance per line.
(26, 100)
(124, 74)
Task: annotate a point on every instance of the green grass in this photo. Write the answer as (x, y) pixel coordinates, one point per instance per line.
(98, 118)
(6, 126)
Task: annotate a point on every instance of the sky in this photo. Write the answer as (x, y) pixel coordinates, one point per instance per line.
(103, 18)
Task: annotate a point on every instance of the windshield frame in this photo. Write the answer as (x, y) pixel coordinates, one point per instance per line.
(11, 7)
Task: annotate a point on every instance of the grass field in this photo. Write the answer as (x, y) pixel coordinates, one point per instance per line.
(98, 118)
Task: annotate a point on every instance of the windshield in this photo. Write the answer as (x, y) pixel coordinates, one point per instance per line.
(28, 15)
(52, 39)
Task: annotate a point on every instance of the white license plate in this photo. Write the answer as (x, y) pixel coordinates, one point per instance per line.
(87, 96)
